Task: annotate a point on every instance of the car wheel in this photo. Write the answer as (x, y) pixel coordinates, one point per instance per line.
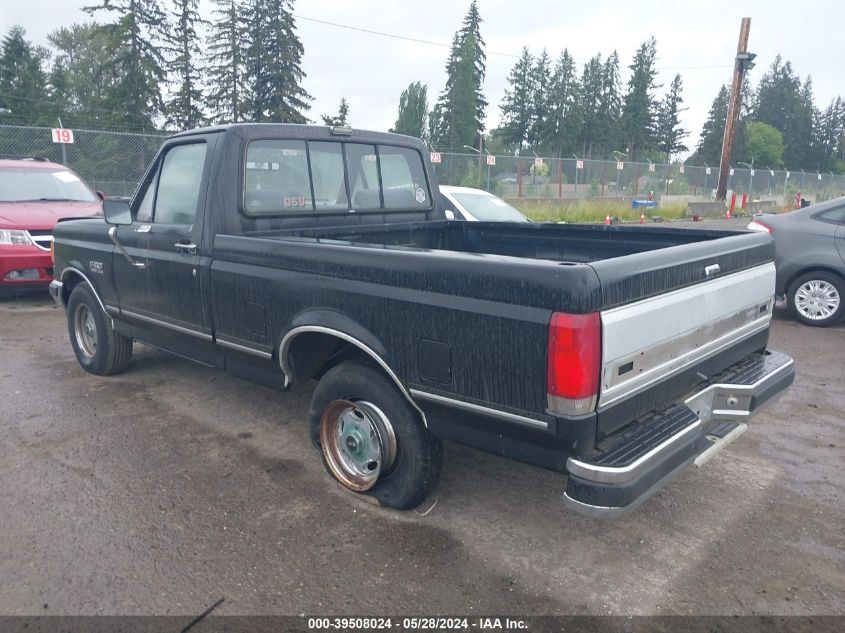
(371, 439)
(98, 348)
(816, 298)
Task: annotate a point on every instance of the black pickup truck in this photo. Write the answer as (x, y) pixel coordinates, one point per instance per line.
(282, 253)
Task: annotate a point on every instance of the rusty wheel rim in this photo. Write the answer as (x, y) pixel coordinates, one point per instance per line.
(358, 443)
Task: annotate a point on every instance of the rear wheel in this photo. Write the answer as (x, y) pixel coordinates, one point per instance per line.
(372, 441)
(98, 348)
(816, 298)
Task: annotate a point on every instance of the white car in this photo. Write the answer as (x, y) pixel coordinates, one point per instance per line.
(476, 205)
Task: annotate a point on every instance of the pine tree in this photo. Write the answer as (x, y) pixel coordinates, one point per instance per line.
(709, 148)
(185, 107)
(79, 82)
(274, 64)
(610, 106)
(539, 78)
(341, 119)
(564, 122)
(228, 94)
(516, 105)
(22, 80)
(592, 82)
(133, 59)
(461, 104)
(413, 111)
(670, 134)
(640, 110)
(472, 28)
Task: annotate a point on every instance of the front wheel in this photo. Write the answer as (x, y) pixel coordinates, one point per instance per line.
(98, 348)
(372, 441)
(816, 298)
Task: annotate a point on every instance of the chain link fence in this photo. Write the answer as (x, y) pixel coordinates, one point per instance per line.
(114, 163)
(572, 179)
(111, 162)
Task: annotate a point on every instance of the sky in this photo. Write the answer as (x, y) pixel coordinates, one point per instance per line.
(697, 39)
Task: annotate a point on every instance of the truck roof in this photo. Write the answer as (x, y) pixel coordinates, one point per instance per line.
(296, 130)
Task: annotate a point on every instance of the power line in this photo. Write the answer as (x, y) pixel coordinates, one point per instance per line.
(391, 35)
(443, 45)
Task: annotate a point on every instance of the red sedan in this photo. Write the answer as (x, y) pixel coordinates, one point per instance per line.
(34, 194)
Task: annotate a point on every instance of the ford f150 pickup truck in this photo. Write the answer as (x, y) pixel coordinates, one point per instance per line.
(283, 253)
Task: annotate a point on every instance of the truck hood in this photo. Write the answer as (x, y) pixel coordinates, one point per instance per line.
(43, 215)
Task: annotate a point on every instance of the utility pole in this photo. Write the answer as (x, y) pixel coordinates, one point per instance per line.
(744, 61)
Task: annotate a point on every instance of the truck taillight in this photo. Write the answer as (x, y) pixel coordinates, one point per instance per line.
(574, 362)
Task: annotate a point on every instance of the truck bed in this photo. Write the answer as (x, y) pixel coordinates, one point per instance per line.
(565, 243)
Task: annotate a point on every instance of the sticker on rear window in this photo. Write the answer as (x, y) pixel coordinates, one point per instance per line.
(420, 195)
(65, 176)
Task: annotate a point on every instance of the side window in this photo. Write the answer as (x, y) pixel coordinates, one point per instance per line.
(179, 184)
(403, 178)
(327, 175)
(145, 209)
(362, 170)
(834, 216)
(276, 178)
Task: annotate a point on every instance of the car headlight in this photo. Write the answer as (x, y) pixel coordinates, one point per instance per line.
(14, 237)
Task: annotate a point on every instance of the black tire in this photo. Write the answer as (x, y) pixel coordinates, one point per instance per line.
(419, 455)
(110, 352)
(802, 314)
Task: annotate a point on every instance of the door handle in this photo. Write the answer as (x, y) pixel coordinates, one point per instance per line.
(186, 247)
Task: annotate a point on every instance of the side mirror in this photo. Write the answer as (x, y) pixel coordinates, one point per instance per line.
(100, 195)
(117, 212)
(450, 215)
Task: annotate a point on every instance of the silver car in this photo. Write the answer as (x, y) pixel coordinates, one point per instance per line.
(810, 260)
(474, 205)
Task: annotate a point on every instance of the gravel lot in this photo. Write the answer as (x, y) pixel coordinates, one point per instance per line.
(165, 488)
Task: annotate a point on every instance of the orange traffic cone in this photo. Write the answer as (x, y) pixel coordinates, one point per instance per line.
(642, 218)
(728, 214)
(607, 219)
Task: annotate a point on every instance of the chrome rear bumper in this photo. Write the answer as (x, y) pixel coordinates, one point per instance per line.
(636, 462)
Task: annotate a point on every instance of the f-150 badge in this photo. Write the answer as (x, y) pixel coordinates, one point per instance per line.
(95, 267)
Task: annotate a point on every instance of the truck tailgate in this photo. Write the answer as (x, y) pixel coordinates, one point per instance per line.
(645, 342)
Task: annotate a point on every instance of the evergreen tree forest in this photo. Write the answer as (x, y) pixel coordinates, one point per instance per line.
(149, 65)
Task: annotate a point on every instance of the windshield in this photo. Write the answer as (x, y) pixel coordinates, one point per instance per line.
(488, 208)
(34, 185)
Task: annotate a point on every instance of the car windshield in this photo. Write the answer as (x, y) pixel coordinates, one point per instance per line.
(47, 185)
(488, 208)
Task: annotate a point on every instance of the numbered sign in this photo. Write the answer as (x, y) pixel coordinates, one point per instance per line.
(62, 135)
(708, 171)
(491, 160)
(538, 162)
(787, 175)
(681, 169)
(820, 176)
(435, 157)
(652, 167)
(620, 165)
(752, 172)
(579, 164)
(732, 171)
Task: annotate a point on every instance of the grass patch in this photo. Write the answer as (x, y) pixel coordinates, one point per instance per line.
(586, 211)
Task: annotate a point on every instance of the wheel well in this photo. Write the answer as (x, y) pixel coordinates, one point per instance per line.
(812, 269)
(69, 282)
(312, 354)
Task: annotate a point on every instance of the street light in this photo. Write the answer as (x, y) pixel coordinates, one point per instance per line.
(576, 175)
(746, 60)
(477, 151)
(750, 174)
(619, 156)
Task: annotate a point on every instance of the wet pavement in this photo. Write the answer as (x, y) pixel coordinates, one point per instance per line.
(167, 487)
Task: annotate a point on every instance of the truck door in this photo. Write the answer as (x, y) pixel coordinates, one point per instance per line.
(165, 298)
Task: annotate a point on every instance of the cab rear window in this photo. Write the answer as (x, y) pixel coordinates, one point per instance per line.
(295, 177)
